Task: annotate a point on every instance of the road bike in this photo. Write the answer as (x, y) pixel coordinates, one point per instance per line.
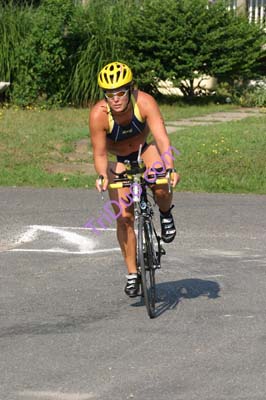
(149, 248)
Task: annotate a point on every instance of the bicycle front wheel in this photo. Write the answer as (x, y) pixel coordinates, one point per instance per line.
(146, 264)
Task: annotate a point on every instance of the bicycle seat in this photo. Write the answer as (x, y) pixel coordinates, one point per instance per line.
(133, 168)
(120, 175)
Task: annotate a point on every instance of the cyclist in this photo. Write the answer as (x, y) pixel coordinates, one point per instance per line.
(119, 124)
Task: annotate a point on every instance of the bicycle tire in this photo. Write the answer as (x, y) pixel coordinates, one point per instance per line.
(146, 264)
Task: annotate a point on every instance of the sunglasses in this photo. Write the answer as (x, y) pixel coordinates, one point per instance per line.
(111, 95)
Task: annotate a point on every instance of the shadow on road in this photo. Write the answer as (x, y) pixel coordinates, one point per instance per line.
(169, 294)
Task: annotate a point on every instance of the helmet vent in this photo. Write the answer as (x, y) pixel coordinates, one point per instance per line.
(114, 75)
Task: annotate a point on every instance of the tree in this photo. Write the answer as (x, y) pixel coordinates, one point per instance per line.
(234, 45)
(43, 57)
(184, 40)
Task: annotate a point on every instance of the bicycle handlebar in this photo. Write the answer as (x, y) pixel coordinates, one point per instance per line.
(126, 178)
(120, 185)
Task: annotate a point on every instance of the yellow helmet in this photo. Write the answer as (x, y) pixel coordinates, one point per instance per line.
(114, 75)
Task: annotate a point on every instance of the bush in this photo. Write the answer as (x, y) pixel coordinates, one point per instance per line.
(14, 26)
(53, 52)
(254, 95)
(42, 73)
(101, 44)
(246, 93)
(185, 40)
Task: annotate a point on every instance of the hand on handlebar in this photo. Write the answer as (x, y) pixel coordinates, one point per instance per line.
(173, 177)
(101, 183)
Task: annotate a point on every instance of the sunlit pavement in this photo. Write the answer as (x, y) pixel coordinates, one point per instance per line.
(68, 332)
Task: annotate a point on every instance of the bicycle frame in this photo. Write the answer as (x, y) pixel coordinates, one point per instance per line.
(144, 208)
(149, 250)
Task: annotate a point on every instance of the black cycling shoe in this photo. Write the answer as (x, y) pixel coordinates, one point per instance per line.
(132, 286)
(167, 226)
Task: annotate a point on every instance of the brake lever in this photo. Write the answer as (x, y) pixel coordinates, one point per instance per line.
(168, 176)
(100, 183)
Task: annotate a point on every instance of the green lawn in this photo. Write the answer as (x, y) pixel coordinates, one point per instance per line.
(32, 139)
(223, 157)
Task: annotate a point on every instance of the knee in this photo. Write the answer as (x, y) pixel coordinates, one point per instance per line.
(125, 221)
(161, 191)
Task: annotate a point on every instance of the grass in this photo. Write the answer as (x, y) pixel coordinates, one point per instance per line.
(33, 139)
(223, 157)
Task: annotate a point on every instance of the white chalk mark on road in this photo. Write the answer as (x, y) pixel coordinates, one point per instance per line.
(65, 235)
(59, 250)
(83, 243)
(48, 395)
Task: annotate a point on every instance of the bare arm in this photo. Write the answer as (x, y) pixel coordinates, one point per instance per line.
(150, 110)
(152, 113)
(97, 126)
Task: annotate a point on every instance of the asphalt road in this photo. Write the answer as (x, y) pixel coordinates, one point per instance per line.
(68, 332)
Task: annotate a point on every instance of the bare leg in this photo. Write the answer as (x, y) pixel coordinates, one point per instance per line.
(125, 224)
(127, 240)
(162, 195)
(163, 198)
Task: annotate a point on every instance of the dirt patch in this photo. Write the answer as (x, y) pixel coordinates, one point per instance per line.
(71, 168)
(72, 163)
(82, 146)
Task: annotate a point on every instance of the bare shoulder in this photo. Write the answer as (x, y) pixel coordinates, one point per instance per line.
(143, 97)
(98, 119)
(98, 111)
(146, 103)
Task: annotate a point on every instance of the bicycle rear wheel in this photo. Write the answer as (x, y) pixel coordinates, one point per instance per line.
(146, 253)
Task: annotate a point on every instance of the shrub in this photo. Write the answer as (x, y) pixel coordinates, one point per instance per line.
(254, 95)
(43, 73)
(14, 26)
(244, 93)
(185, 40)
(53, 52)
(101, 42)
